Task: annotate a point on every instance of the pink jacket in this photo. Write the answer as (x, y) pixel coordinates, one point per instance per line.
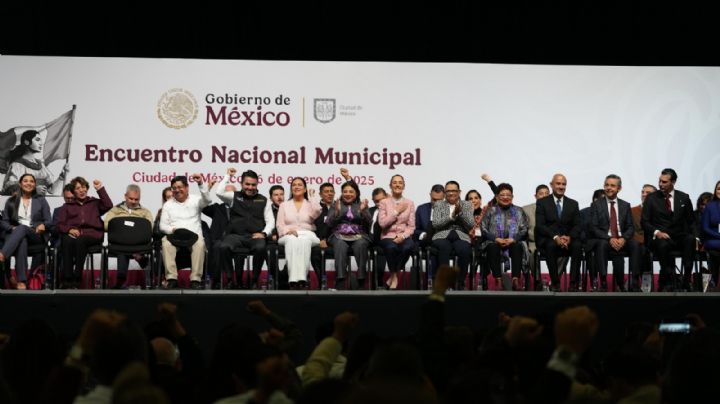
(289, 218)
(393, 224)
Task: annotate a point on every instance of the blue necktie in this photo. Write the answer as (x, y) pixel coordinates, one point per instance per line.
(559, 208)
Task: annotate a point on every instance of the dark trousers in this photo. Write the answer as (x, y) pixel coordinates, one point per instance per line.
(215, 262)
(453, 244)
(712, 249)
(396, 255)
(494, 257)
(685, 244)
(316, 260)
(233, 241)
(552, 251)
(340, 249)
(123, 263)
(74, 251)
(603, 252)
(17, 244)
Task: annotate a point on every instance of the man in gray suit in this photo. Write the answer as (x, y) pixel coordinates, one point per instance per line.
(611, 226)
(451, 221)
(541, 191)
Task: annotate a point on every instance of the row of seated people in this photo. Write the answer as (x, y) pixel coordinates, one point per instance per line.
(248, 219)
(664, 227)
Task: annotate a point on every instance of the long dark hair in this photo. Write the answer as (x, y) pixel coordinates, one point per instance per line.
(14, 200)
(715, 197)
(479, 210)
(304, 184)
(22, 148)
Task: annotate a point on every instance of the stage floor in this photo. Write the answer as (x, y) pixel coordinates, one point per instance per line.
(386, 313)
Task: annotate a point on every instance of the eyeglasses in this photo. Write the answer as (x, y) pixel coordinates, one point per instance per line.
(505, 195)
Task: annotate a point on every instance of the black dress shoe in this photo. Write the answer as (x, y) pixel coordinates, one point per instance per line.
(620, 288)
(172, 284)
(195, 285)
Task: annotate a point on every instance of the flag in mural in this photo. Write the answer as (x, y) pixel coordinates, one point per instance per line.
(31, 149)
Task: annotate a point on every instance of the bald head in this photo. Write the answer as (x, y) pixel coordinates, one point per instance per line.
(558, 184)
(165, 351)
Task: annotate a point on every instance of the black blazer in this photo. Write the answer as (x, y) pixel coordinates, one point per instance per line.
(600, 219)
(321, 229)
(219, 213)
(656, 217)
(376, 230)
(423, 223)
(547, 223)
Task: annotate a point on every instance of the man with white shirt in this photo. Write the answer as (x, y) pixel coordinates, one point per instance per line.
(669, 224)
(251, 223)
(611, 228)
(183, 212)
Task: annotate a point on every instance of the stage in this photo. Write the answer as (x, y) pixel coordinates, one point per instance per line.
(386, 313)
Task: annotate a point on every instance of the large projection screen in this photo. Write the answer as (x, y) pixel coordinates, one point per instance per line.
(429, 122)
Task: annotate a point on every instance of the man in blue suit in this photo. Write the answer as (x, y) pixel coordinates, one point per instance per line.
(423, 226)
(557, 231)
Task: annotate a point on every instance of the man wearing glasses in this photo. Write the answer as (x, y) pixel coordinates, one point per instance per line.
(182, 212)
(451, 220)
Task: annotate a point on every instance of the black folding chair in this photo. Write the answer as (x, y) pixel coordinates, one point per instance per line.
(126, 236)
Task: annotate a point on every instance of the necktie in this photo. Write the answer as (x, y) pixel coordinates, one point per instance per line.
(668, 204)
(613, 221)
(559, 208)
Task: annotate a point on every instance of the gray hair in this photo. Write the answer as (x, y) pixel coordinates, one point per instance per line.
(132, 188)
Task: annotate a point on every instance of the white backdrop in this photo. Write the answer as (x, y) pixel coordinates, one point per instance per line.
(518, 123)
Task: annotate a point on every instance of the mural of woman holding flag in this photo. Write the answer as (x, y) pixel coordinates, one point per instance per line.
(35, 149)
(22, 161)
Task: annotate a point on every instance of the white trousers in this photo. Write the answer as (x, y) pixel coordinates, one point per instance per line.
(297, 253)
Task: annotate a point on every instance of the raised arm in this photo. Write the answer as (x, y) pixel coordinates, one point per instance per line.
(226, 196)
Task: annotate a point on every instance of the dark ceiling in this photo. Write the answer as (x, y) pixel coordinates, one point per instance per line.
(609, 32)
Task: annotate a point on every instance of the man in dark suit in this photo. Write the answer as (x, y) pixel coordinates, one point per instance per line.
(219, 213)
(612, 229)
(423, 226)
(378, 194)
(557, 231)
(277, 196)
(327, 197)
(423, 215)
(588, 242)
(669, 222)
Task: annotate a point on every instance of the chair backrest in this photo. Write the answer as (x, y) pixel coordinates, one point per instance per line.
(129, 231)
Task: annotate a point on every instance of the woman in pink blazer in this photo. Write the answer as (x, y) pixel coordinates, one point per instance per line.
(397, 221)
(296, 228)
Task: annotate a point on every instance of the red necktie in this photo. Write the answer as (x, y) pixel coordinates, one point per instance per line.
(668, 206)
(613, 221)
